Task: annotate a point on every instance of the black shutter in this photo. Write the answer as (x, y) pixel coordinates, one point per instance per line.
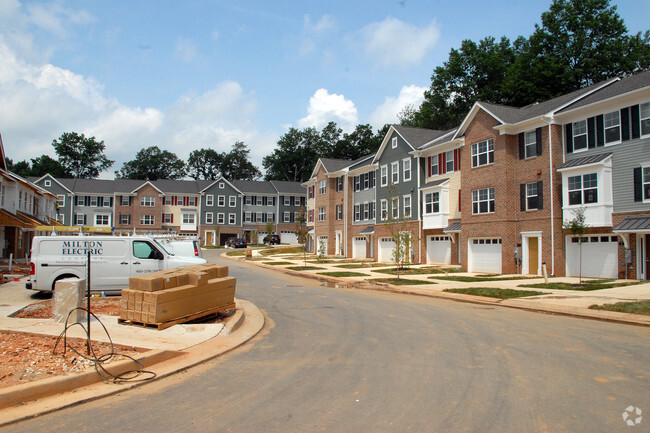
(591, 132)
(636, 133)
(522, 197)
(600, 131)
(540, 195)
(638, 185)
(522, 146)
(568, 128)
(625, 124)
(538, 141)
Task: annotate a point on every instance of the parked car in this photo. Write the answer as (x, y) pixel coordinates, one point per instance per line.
(272, 239)
(239, 243)
(229, 242)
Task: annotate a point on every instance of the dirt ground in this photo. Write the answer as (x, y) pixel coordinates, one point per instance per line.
(27, 357)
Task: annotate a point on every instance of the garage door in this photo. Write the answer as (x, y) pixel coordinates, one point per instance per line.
(484, 255)
(359, 248)
(287, 237)
(599, 256)
(386, 248)
(439, 249)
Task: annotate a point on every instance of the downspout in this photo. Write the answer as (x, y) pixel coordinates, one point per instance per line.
(550, 174)
(345, 215)
(419, 218)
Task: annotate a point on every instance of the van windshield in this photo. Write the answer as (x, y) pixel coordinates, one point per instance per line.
(162, 248)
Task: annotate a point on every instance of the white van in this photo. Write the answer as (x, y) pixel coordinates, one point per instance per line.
(113, 259)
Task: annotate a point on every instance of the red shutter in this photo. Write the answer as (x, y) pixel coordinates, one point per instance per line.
(172, 218)
(456, 159)
(458, 200)
(429, 165)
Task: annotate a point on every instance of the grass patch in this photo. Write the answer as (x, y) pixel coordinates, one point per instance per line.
(212, 247)
(418, 271)
(237, 253)
(343, 274)
(303, 268)
(476, 279)
(281, 250)
(359, 265)
(640, 307)
(277, 263)
(491, 292)
(401, 281)
(585, 286)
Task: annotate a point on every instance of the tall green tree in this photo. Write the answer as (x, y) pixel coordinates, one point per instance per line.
(237, 165)
(21, 168)
(294, 157)
(44, 164)
(82, 157)
(153, 164)
(204, 164)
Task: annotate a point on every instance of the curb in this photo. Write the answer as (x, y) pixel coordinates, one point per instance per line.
(30, 400)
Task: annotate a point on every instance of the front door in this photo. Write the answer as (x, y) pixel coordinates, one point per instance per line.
(208, 238)
(533, 263)
(647, 257)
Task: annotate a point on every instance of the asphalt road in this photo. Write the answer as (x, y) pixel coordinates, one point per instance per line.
(343, 360)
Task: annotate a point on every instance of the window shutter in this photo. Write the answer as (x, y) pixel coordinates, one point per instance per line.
(172, 218)
(625, 124)
(540, 195)
(459, 151)
(522, 197)
(600, 130)
(591, 132)
(638, 185)
(85, 216)
(456, 159)
(569, 137)
(538, 141)
(522, 146)
(636, 132)
(458, 200)
(429, 165)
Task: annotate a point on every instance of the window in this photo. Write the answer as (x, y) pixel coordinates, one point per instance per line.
(221, 201)
(270, 216)
(431, 203)
(407, 206)
(221, 218)
(406, 168)
(147, 220)
(339, 212)
(232, 200)
(366, 180)
(249, 200)
(143, 250)
(93, 201)
(107, 202)
(579, 135)
(232, 218)
(645, 118)
(102, 220)
(366, 211)
(189, 218)
(311, 191)
(321, 213)
(126, 200)
(393, 143)
(434, 165)
(483, 153)
(79, 200)
(357, 212)
(449, 161)
(125, 220)
(61, 200)
(612, 127)
(339, 183)
(209, 200)
(48, 183)
(394, 171)
(384, 175)
(259, 200)
(372, 210)
(147, 201)
(530, 144)
(532, 199)
(357, 183)
(322, 187)
(167, 200)
(583, 189)
(191, 201)
(287, 200)
(60, 218)
(168, 218)
(395, 208)
(270, 201)
(483, 201)
(222, 185)
(286, 217)
(247, 217)
(79, 219)
(209, 218)
(384, 209)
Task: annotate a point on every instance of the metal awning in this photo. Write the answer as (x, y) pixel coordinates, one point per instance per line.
(368, 230)
(452, 228)
(633, 225)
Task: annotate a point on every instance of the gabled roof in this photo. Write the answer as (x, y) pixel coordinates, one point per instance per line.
(204, 184)
(445, 137)
(145, 183)
(332, 165)
(127, 186)
(414, 137)
(286, 187)
(254, 186)
(49, 176)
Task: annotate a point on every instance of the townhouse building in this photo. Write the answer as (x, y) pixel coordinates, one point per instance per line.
(221, 211)
(291, 203)
(362, 182)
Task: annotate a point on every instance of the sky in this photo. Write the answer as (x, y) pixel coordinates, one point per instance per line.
(205, 74)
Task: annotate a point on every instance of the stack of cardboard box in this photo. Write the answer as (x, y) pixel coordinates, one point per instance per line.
(174, 294)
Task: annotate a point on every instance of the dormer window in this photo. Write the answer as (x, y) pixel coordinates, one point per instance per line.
(393, 143)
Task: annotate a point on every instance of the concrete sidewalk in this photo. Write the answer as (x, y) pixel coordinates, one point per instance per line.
(164, 352)
(566, 302)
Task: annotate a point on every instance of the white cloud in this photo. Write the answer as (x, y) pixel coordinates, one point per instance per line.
(393, 42)
(387, 112)
(324, 107)
(186, 49)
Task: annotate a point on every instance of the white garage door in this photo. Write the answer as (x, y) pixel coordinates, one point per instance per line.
(599, 256)
(386, 248)
(439, 249)
(484, 255)
(288, 237)
(359, 248)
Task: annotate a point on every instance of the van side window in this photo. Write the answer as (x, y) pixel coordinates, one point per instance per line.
(143, 250)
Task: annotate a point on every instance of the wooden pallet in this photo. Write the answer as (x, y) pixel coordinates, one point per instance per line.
(179, 320)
